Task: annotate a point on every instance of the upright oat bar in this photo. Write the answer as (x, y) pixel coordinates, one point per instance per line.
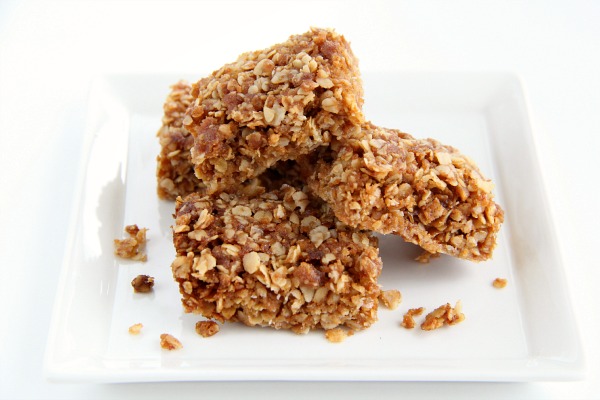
(272, 104)
(426, 192)
(280, 259)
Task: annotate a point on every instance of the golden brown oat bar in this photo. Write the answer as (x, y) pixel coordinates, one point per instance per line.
(175, 171)
(426, 192)
(280, 259)
(271, 105)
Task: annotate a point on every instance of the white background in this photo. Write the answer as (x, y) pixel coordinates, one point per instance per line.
(50, 51)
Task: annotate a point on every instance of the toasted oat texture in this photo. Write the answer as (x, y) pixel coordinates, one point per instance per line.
(443, 315)
(142, 284)
(408, 321)
(170, 342)
(132, 246)
(207, 328)
(174, 170)
(426, 192)
(280, 259)
(135, 329)
(500, 283)
(272, 104)
(390, 298)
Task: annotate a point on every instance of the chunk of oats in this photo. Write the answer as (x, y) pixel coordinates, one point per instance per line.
(408, 320)
(390, 298)
(135, 329)
(500, 283)
(131, 247)
(142, 283)
(207, 328)
(443, 315)
(169, 342)
(338, 335)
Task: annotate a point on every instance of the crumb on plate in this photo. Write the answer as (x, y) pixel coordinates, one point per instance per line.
(500, 283)
(131, 247)
(135, 329)
(390, 298)
(408, 320)
(338, 335)
(170, 342)
(443, 315)
(142, 283)
(207, 328)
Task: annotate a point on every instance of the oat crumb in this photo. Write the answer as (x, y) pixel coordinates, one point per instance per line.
(135, 329)
(169, 342)
(142, 284)
(131, 247)
(443, 315)
(207, 328)
(408, 320)
(338, 335)
(390, 298)
(500, 283)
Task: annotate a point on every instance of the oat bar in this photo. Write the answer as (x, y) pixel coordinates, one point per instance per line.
(272, 104)
(281, 260)
(175, 171)
(426, 192)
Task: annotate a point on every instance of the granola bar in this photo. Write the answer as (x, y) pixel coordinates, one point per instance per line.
(174, 170)
(426, 192)
(281, 259)
(271, 105)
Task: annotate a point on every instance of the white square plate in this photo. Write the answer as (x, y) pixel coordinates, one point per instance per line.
(521, 333)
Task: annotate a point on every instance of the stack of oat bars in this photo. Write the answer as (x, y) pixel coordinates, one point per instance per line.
(280, 183)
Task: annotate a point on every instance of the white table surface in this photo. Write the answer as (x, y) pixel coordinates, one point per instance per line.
(50, 51)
